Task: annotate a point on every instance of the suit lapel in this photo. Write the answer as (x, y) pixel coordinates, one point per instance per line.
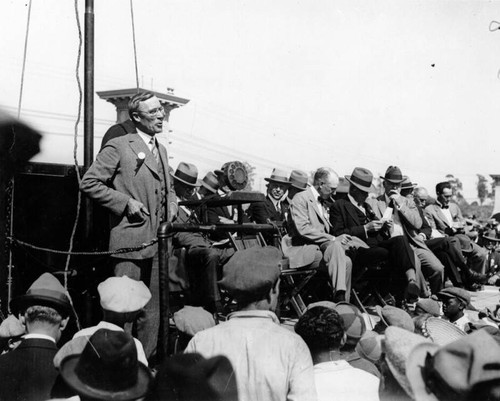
(442, 216)
(138, 146)
(320, 214)
(352, 210)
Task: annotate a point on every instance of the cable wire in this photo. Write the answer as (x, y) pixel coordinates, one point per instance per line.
(135, 47)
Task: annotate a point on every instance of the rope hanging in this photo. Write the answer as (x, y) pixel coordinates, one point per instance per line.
(135, 48)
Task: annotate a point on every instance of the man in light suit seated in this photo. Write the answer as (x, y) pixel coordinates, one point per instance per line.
(311, 225)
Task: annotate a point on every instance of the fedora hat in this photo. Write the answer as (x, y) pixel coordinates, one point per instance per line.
(361, 178)
(211, 182)
(393, 174)
(454, 369)
(279, 176)
(491, 235)
(187, 173)
(190, 376)
(107, 368)
(298, 179)
(45, 291)
(407, 184)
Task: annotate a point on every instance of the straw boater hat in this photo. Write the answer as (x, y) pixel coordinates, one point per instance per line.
(45, 291)
(407, 184)
(361, 178)
(393, 174)
(298, 179)
(187, 173)
(107, 369)
(452, 371)
(440, 331)
(211, 182)
(279, 176)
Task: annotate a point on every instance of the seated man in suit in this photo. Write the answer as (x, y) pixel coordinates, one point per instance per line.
(28, 372)
(446, 218)
(354, 216)
(273, 208)
(310, 225)
(203, 260)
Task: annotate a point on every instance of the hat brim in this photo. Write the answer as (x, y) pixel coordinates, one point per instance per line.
(414, 363)
(491, 238)
(23, 302)
(378, 310)
(359, 186)
(139, 390)
(195, 185)
(286, 182)
(300, 188)
(205, 185)
(391, 180)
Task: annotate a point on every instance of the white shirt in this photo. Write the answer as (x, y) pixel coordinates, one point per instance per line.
(271, 363)
(318, 203)
(462, 322)
(146, 138)
(41, 336)
(339, 381)
(397, 227)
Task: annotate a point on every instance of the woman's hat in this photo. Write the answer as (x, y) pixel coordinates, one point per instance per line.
(107, 369)
(187, 173)
(279, 176)
(45, 291)
(211, 182)
(299, 179)
(361, 178)
(393, 174)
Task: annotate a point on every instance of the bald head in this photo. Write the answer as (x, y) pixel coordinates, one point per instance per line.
(421, 196)
(326, 181)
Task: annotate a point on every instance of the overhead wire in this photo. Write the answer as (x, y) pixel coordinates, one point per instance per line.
(135, 47)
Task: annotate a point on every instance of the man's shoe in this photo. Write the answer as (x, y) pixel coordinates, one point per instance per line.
(412, 290)
(339, 296)
(472, 277)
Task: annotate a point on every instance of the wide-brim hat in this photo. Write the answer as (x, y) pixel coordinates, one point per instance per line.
(397, 346)
(279, 176)
(107, 368)
(211, 182)
(393, 174)
(441, 331)
(45, 291)
(491, 235)
(414, 373)
(299, 179)
(187, 173)
(361, 178)
(407, 184)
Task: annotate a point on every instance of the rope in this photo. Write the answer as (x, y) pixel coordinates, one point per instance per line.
(83, 253)
(75, 145)
(135, 48)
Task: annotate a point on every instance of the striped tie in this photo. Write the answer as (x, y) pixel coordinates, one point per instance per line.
(154, 150)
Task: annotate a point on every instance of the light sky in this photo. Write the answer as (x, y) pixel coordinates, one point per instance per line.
(277, 83)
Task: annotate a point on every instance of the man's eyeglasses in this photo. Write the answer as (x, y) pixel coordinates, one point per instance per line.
(153, 112)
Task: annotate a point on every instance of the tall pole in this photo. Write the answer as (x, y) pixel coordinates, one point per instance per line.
(88, 108)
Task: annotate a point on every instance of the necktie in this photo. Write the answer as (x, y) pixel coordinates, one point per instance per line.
(154, 150)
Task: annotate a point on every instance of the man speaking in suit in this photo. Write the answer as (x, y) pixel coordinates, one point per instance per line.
(130, 179)
(310, 225)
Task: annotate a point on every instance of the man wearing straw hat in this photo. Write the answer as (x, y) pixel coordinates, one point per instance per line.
(203, 259)
(28, 372)
(130, 179)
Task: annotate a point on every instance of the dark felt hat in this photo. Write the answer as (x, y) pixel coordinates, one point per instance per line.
(107, 369)
(455, 292)
(279, 176)
(194, 378)
(251, 270)
(393, 174)
(187, 173)
(361, 178)
(450, 372)
(45, 291)
(491, 235)
(211, 182)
